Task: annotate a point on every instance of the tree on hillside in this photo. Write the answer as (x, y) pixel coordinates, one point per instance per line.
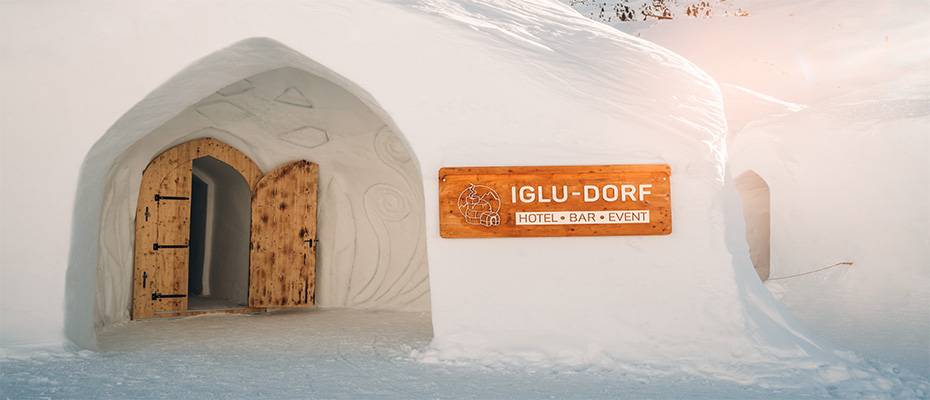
(615, 11)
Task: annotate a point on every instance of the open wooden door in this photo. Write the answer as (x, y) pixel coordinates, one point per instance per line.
(162, 229)
(160, 270)
(282, 271)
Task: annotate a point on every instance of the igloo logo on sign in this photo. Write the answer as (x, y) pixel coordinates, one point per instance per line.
(555, 201)
(479, 205)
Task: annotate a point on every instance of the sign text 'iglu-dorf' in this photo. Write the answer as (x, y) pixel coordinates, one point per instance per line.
(555, 201)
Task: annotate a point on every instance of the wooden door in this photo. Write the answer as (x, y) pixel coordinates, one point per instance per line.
(160, 270)
(282, 271)
(162, 230)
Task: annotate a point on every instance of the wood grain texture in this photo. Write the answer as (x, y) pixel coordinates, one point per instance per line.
(476, 213)
(168, 221)
(191, 313)
(282, 269)
(172, 227)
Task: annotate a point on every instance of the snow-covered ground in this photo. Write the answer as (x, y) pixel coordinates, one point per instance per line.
(370, 354)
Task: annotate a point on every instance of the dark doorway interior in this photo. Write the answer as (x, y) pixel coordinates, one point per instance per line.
(198, 226)
(220, 221)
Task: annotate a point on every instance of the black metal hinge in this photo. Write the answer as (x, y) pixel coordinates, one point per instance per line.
(156, 246)
(159, 197)
(157, 296)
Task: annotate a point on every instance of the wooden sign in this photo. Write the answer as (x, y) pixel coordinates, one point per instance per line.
(600, 200)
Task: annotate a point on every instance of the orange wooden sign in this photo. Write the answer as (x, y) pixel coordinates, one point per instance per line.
(599, 200)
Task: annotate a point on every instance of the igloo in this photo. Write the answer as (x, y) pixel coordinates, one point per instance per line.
(380, 96)
(859, 218)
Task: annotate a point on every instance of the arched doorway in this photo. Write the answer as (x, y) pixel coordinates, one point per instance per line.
(371, 227)
(273, 267)
(220, 224)
(273, 105)
(755, 197)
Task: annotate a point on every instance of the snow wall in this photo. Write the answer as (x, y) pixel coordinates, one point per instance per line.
(455, 83)
(834, 117)
(857, 192)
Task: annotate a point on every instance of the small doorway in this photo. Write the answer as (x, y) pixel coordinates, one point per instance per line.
(198, 240)
(213, 234)
(220, 219)
(755, 197)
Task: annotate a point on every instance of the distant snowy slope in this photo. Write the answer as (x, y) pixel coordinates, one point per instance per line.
(617, 12)
(800, 51)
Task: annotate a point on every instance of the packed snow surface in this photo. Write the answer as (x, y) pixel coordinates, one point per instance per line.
(369, 354)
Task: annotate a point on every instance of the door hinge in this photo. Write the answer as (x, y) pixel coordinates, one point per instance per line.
(156, 246)
(158, 296)
(159, 197)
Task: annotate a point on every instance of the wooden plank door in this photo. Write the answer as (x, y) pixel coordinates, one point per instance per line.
(282, 270)
(160, 273)
(162, 230)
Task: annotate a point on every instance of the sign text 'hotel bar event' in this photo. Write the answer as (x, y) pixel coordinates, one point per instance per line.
(598, 200)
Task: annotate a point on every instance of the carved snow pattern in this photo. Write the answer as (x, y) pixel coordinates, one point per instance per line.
(306, 136)
(222, 113)
(236, 88)
(294, 97)
(400, 277)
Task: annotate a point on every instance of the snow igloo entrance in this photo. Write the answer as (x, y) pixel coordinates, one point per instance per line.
(368, 214)
(187, 230)
(755, 197)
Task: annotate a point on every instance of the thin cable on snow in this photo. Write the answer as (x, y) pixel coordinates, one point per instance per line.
(811, 272)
